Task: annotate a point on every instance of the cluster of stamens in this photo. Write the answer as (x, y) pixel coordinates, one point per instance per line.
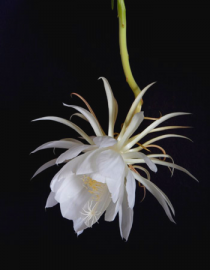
(93, 187)
(90, 209)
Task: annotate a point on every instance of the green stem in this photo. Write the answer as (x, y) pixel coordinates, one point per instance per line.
(124, 52)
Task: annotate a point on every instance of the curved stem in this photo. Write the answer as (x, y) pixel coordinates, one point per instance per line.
(124, 52)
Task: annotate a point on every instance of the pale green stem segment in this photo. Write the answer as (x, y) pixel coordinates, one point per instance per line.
(124, 52)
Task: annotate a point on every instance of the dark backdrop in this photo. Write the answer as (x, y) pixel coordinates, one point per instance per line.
(49, 49)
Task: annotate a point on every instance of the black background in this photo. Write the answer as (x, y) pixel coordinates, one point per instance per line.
(49, 49)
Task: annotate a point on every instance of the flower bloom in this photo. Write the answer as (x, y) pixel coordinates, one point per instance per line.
(99, 176)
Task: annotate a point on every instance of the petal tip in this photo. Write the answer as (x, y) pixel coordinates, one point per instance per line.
(196, 179)
(37, 119)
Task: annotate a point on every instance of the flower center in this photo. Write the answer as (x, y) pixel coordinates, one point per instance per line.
(93, 187)
(93, 208)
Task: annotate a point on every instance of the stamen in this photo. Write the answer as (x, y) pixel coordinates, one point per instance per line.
(93, 187)
(98, 200)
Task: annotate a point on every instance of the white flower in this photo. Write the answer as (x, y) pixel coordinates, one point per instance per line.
(102, 179)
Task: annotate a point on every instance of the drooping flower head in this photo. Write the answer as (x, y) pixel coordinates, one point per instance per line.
(99, 175)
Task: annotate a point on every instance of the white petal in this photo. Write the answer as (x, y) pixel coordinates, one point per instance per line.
(156, 193)
(160, 162)
(69, 124)
(69, 188)
(110, 212)
(144, 170)
(136, 155)
(79, 115)
(92, 147)
(152, 126)
(157, 139)
(104, 141)
(72, 167)
(132, 127)
(166, 199)
(92, 137)
(73, 152)
(80, 232)
(164, 156)
(111, 165)
(167, 127)
(131, 189)
(172, 165)
(97, 177)
(88, 165)
(79, 226)
(132, 109)
(114, 188)
(164, 137)
(71, 209)
(148, 178)
(105, 201)
(111, 105)
(93, 122)
(125, 219)
(55, 144)
(72, 140)
(55, 184)
(45, 166)
(113, 208)
(51, 200)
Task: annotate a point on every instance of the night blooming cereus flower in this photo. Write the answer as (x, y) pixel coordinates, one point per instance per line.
(103, 178)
